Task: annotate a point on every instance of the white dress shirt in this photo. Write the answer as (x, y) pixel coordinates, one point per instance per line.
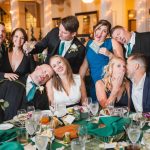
(66, 46)
(132, 42)
(137, 94)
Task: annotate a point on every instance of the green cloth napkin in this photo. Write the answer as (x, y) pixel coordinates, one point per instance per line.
(113, 125)
(11, 146)
(7, 134)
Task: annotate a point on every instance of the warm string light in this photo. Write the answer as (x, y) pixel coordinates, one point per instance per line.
(87, 1)
(106, 9)
(141, 15)
(14, 13)
(47, 16)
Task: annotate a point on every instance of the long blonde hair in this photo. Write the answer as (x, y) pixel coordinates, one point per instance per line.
(109, 71)
(56, 80)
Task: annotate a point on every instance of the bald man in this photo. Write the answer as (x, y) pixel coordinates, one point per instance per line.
(26, 91)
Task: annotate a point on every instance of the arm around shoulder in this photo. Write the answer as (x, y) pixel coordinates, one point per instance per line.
(117, 48)
(83, 68)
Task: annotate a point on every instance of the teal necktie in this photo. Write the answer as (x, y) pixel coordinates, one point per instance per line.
(129, 49)
(31, 92)
(61, 48)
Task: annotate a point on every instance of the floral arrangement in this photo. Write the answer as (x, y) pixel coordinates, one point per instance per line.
(3, 104)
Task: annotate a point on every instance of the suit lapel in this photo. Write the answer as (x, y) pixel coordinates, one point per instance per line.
(55, 50)
(137, 44)
(145, 91)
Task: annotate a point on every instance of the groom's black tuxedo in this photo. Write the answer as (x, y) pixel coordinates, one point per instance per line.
(75, 56)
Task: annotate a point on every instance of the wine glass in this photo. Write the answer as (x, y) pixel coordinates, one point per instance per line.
(41, 142)
(134, 133)
(87, 102)
(146, 138)
(82, 132)
(30, 110)
(21, 112)
(21, 116)
(94, 107)
(140, 119)
(30, 126)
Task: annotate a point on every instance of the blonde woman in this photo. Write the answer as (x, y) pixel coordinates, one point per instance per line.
(64, 87)
(114, 87)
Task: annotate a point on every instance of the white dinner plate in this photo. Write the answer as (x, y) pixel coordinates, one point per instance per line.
(6, 126)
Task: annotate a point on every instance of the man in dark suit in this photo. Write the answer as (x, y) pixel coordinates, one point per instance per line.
(140, 86)
(26, 91)
(133, 42)
(62, 41)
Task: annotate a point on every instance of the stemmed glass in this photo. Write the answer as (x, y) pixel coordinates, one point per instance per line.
(30, 126)
(134, 133)
(82, 132)
(30, 110)
(94, 107)
(21, 116)
(87, 103)
(41, 142)
(146, 138)
(140, 119)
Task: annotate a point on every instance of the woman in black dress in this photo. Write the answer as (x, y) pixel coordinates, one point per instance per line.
(15, 65)
(114, 87)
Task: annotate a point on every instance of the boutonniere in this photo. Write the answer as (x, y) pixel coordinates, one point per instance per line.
(40, 88)
(3, 104)
(73, 48)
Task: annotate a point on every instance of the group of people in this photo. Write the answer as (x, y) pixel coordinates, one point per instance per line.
(112, 80)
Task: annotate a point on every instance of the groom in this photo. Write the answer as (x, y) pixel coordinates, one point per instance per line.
(62, 41)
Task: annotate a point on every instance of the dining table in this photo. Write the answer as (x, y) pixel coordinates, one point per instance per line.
(94, 136)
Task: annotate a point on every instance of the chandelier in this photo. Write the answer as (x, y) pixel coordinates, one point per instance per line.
(87, 1)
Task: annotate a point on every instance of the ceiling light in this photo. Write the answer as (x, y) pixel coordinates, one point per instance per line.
(87, 1)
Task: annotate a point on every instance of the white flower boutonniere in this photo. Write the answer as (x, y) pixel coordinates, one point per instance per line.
(73, 48)
(40, 88)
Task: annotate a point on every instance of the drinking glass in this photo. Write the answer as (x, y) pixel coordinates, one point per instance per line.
(60, 110)
(146, 139)
(82, 132)
(118, 111)
(110, 107)
(125, 111)
(78, 144)
(30, 126)
(94, 107)
(45, 119)
(134, 133)
(21, 116)
(140, 119)
(36, 116)
(20, 112)
(30, 110)
(41, 142)
(22, 136)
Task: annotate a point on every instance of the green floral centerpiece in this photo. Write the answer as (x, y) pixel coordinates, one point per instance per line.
(3, 104)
